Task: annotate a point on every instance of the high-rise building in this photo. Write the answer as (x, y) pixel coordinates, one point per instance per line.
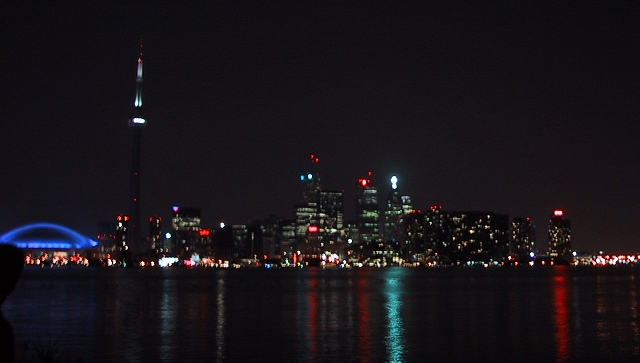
(367, 213)
(186, 229)
(478, 237)
(560, 238)
(122, 232)
(398, 206)
(156, 240)
(311, 181)
(523, 237)
(331, 211)
(136, 123)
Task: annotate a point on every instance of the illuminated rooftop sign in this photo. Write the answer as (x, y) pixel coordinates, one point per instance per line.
(558, 213)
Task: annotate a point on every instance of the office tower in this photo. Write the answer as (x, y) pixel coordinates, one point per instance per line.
(136, 123)
(396, 209)
(523, 237)
(305, 215)
(367, 213)
(560, 238)
(311, 181)
(156, 240)
(186, 230)
(331, 210)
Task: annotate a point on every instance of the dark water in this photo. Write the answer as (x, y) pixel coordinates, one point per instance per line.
(315, 315)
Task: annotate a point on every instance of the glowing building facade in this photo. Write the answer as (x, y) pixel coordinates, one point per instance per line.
(523, 237)
(367, 212)
(397, 207)
(186, 229)
(560, 238)
(156, 239)
(122, 233)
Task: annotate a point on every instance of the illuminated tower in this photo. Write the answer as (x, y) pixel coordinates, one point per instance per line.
(311, 181)
(397, 207)
(560, 238)
(367, 213)
(136, 123)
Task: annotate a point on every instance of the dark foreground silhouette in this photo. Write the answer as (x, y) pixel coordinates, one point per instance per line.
(11, 264)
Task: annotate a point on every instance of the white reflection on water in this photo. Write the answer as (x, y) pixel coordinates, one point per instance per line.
(634, 315)
(167, 319)
(220, 322)
(394, 338)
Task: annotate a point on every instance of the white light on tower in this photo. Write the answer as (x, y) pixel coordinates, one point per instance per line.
(394, 182)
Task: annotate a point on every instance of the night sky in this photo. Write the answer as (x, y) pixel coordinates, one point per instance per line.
(514, 109)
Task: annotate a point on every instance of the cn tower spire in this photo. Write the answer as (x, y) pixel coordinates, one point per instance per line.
(138, 102)
(136, 122)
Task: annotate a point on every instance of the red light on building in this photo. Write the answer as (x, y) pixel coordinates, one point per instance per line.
(312, 229)
(204, 232)
(558, 213)
(126, 218)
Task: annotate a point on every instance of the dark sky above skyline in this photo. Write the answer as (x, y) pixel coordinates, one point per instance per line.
(517, 109)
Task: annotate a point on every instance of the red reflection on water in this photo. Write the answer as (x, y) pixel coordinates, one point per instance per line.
(313, 318)
(364, 335)
(561, 317)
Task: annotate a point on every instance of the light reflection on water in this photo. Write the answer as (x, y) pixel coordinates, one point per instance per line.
(315, 315)
(395, 335)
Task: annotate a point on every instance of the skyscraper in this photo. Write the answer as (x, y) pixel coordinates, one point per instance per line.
(367, 213)
(136, 123)
(398, 206)
(560, 238)
(311, 181)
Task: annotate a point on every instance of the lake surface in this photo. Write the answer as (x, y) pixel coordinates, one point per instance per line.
(541, 314)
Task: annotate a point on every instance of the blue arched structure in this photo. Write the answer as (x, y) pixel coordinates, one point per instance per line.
(27, 237)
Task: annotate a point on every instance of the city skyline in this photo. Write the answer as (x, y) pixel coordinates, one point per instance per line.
(519, 109)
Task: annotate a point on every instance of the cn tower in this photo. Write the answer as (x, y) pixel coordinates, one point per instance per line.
(136, 123)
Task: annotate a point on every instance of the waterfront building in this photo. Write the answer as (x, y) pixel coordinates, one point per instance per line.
(560, 238)
(186, 227)
(239, 234)
(523, 237)
(478, 238)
